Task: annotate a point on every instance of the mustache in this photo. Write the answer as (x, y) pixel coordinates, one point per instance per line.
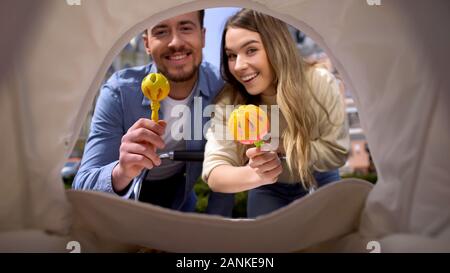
(173, 50)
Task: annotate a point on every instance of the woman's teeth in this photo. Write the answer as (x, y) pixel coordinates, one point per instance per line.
(249, 77)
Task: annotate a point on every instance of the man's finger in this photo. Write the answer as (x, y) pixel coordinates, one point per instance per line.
(144, 149)
(140, 160)
(162, 123)
(149, 124)
(145, 135)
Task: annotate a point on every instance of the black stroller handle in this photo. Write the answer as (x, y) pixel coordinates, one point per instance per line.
(198, 155)
(184, 155)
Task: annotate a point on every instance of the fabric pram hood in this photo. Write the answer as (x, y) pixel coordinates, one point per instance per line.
(393, 57)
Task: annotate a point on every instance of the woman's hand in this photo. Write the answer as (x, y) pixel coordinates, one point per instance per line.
(265, 164)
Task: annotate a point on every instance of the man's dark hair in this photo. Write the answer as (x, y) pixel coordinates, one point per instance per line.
(201, 17)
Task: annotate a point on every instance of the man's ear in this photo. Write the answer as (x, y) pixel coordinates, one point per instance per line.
(203, 37)
(145, 39)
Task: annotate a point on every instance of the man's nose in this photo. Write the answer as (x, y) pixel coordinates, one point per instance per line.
(176, 40)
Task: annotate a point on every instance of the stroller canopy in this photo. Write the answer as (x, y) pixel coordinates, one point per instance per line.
(393, 57)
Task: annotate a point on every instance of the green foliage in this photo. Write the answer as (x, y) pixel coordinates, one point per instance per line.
(202, 191)
(371, 177)
(240, 205)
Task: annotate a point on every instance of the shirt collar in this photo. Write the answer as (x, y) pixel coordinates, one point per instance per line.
(201, 86)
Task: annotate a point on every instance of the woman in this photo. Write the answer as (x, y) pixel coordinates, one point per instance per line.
(261, 63)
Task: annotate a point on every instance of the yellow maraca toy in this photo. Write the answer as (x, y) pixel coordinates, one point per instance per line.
(156, 88)
(248, 124)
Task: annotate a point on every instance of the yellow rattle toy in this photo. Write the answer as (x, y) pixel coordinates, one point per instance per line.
(248, 124)
(156, 88)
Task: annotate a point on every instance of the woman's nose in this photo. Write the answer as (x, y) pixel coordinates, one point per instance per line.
(241, 63)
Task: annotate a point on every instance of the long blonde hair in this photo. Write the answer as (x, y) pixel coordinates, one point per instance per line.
(294, 95)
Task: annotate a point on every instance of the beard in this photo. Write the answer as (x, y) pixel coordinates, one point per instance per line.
(179, 74)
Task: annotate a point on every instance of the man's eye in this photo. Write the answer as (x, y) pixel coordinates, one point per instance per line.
(159, 33)
(186, 29)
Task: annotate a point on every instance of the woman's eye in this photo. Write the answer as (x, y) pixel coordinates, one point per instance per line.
(251, 51)
(231, 57)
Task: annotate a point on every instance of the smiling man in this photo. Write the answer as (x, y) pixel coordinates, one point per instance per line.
(121, 154)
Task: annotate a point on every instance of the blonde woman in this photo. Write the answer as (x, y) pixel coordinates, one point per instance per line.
(262, 66)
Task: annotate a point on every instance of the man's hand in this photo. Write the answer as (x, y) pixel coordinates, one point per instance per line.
(265, 164)
(138, 151)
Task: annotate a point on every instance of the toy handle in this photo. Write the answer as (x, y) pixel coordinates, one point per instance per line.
(155, 109)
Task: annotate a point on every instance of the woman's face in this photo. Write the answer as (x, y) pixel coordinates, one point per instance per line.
(248, 62)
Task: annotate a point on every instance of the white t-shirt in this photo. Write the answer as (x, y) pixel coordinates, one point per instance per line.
(173, 137)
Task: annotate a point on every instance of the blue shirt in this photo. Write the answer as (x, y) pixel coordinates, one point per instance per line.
(119, 105)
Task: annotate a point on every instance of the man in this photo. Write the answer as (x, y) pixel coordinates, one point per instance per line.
(124, 142)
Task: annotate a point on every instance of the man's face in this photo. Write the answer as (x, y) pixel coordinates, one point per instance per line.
(176, 46)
